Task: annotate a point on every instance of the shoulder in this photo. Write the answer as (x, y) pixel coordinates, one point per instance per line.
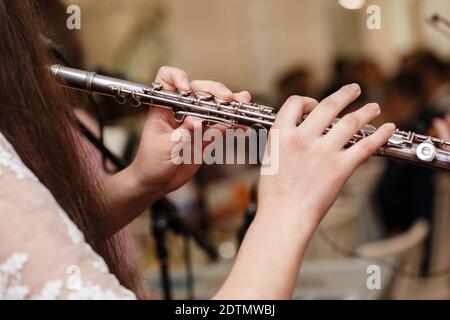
(20, 189)
(40, 245)
(9, 159)
(24, 198)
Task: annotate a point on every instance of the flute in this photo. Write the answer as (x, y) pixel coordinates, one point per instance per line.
(403, 145)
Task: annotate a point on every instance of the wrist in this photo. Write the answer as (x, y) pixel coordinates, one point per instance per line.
(298, 216)
(141, 187)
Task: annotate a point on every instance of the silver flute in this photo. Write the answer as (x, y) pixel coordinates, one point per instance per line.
(406, 146)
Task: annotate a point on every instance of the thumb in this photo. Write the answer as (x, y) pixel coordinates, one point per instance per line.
(185, 131)
(192, 123)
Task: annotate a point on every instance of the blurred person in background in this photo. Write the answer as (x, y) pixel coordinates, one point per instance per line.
(435, 77)
(372, 80)
(442, 127)
(296, 81)
(406, 99)
(405, 193)
(345, 70)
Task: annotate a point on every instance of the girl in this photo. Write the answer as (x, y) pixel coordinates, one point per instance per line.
(57, 222)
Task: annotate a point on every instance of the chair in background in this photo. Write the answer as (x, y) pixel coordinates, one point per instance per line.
(440, 241)
(340, 226)
(350, 216)
(406, 252)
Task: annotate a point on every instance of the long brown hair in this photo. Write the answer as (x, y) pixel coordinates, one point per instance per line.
(36, 117)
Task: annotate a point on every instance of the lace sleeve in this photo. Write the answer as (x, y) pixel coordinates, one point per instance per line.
(43, 255)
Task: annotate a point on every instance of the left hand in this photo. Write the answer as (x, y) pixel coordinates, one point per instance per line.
(153, 166)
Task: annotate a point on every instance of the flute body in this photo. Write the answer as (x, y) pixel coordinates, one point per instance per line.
(405, 146)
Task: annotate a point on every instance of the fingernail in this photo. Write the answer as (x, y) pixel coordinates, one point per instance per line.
(390, 127)
(355, 87)
(185, 84)
(375, 107)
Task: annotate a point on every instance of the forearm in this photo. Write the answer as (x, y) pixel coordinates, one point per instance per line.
(270, 257)
(126, 198)
(312, 166)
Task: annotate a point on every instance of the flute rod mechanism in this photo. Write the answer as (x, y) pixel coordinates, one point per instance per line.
(407, 146)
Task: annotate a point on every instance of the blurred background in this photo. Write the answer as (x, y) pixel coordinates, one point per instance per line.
(391, 215)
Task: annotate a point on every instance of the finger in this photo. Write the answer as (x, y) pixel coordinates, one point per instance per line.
(330, 107)
(173, 79)
(163, 118)
(219, 127)
(293, 109)
(217, 89)
(243, 96)
(363, 149)
(443, 130)
(222, 128)
(192, 123)
(350, 124)
(190, 129)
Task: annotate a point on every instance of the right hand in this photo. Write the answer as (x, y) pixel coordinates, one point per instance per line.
(153, 166)
(314, 167)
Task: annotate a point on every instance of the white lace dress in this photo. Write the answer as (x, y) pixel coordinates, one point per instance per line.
(43, 255)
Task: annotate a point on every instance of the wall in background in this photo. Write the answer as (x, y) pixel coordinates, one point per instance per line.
(248, 43)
